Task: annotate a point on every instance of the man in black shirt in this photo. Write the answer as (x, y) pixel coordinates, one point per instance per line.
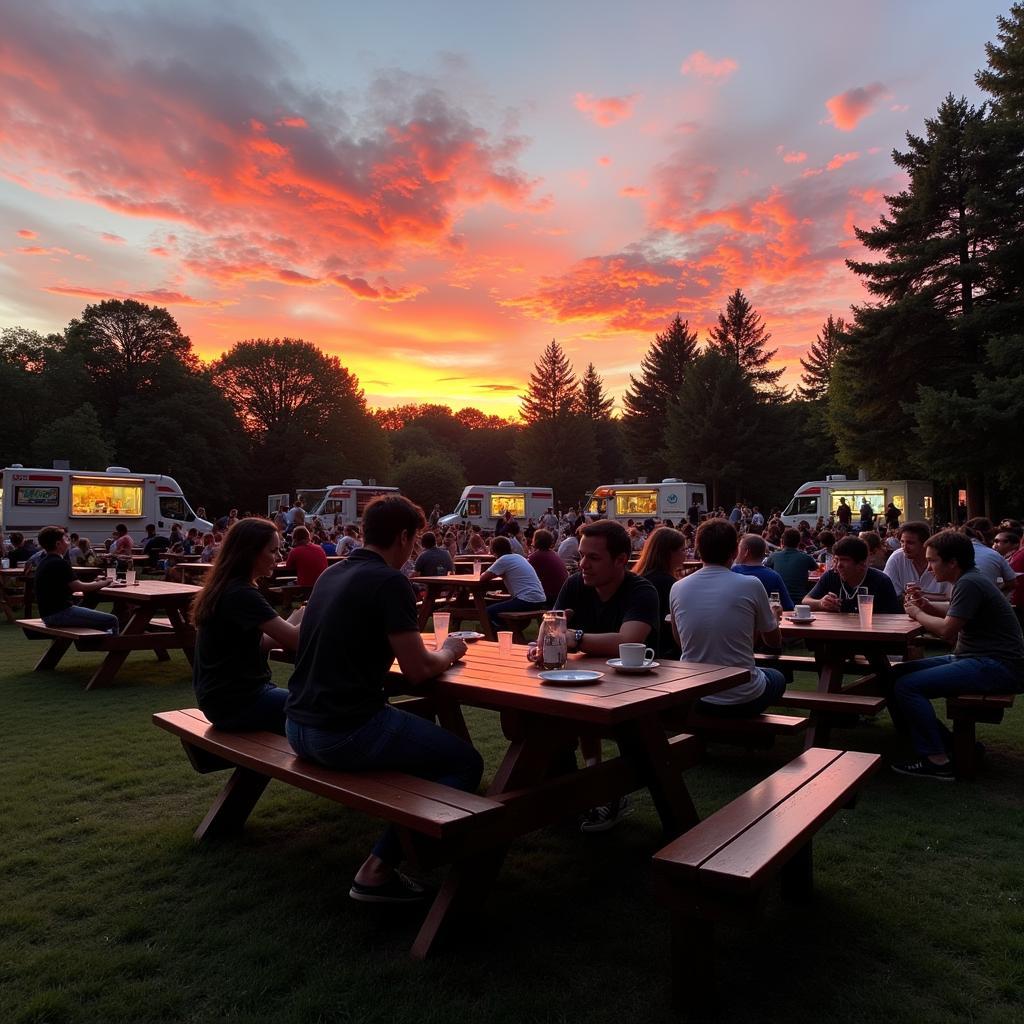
(55, 583)
(360, 617)
(154, 546)
(21, 550)
(836, 591)
(605, 606)
(434, 561)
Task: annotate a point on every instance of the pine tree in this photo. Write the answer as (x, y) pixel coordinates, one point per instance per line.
(741, 335)
(553, 392)
(1004, 78)
(821, 357)
(662, 372)
(594, 403)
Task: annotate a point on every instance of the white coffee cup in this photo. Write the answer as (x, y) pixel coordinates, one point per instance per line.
(802, 611)
(635, 655)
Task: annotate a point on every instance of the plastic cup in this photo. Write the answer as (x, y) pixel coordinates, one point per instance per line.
(111, 572)
(866, 609)
(5, 563)
(505, 644)
(441, 621)
(129, 577)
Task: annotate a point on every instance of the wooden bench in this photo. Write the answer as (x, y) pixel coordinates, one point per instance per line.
(519, 622)
(830, 710)
(965, 712)
(756, 731)
(722, 866)
(427, 808)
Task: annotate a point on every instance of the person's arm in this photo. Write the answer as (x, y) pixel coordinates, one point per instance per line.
(945, 627)
(279, 632)
(607, 644)
(821, 599)
(418, 664)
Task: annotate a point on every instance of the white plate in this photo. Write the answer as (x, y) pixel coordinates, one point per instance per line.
(571, 677)
(616, 663)
(799, 622)
(468, 635)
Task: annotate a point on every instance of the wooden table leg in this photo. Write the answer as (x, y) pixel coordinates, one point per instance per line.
(184, 632)
(52, 655)
(111, 664)
(427, 608)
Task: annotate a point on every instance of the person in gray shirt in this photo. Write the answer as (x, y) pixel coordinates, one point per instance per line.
(988, 656)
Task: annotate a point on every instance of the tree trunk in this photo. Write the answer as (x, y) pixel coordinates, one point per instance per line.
(975, 494)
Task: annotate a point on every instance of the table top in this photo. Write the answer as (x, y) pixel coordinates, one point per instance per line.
(846, 626)
(486, 679)
(471, 581)
(151, 591)
(470, 559)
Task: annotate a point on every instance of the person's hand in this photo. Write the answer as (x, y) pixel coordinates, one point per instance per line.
(455, 647)
(830, 603)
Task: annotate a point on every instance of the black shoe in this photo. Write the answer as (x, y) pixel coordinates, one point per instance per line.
(925, 769)
(398, 889)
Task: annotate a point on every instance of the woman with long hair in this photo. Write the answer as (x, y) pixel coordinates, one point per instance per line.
(236, 627)
(661, 562)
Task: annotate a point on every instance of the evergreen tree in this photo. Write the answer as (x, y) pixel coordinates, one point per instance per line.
(820, 360)
(553, 391)
(594, 403)
(1004, 78)
(741, 335)
(646, 401)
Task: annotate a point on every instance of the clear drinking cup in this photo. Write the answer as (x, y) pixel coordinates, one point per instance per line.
(129, 577)
(866, 609)
(111, 573)
(505, 644)
(441, 621)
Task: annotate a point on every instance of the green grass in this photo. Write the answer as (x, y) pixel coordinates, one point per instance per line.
(109, 914)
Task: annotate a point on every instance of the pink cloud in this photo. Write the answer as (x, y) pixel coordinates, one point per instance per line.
(900, 108)
(794, 158)
(156, 296)
(26, 233)
(44, 250)
(839, 159)
(633, 191)
(605, 110)
(812, 172)
(108, 236)
(700, 65)
(604, 161)
(848, 109)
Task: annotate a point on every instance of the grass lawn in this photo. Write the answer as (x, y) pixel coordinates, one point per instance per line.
(108, 913)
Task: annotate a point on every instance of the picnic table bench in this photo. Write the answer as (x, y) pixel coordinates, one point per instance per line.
(721, 867)
(965, 712)
(520, 622)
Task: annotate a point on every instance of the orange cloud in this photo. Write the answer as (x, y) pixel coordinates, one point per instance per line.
(108, 236)
(839, 159)
(700, 65)
(604, 161)
(26, 233)
(157, 296)
(848, 109)
(43, 250)
(633, 191)
(794, 157)
(606, 110)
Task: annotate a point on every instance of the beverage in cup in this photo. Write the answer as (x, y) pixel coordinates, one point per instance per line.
(801, 611)
(505, 643)
(129, 577)
(111, 573)
(476, 566)
(441, 620)
(775, 601)
(865, 609)
(554, 646)
(635, 655)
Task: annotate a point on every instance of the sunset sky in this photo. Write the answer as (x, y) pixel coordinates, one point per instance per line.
(433, 191)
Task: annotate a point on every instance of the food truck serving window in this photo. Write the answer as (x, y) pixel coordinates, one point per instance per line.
(93, 497)
(364, 496)
(514, 503)
(37, 497)
(636, 503)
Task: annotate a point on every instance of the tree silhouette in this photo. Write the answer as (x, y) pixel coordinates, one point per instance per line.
(741, 336)
(553, 392)
(821, 358)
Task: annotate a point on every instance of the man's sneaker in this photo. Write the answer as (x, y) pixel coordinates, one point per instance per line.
(925, 769)
(398, 889)
(606, 816)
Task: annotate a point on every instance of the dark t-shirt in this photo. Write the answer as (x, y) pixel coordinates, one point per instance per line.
(886, 601)
(636, 600)
(53, 577)
(550, 570)
(20, 555)
(344, 647)
(434, 562)
(991, 629)
(230, 669)
(793, 566)
(663, 583)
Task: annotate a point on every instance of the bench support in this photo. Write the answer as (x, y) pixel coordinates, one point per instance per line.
(233, 805)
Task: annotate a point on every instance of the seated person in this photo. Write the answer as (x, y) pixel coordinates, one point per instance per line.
(433, 561)
(154, 545)
(122, 544)
(349, 541)
(793, 565)
(550, 569)
(55, 583)
(477, 544)
(361, 616)
(836, 591)
(512, 532)
(988, 656)
(306, 560)
(716, 615)
(210, 547)
(661, 564)
(908, 567)
(878, 553)
(569, 550)
(236, 627)
(86, 554)
(749, 562)
(519, 578)
(21, 550)
(987, 560)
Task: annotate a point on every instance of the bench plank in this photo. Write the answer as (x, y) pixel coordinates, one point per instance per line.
(841, 703)
(40, 628)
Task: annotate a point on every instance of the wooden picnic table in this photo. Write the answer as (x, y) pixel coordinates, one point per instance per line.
(464, 563)
(542, 723)
(136, 607)
(469, 584)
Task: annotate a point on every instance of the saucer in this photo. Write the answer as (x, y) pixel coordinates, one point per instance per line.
(571, 677)
(468, 635)
(629, 670)
(799, 622)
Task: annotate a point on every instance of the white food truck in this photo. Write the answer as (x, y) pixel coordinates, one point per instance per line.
(816, 498)
(342, 503)
(484, 504)
(669, 499)
(91, 504)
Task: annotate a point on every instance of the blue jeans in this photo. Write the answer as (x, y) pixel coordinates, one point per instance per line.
(265, 712)
(917, 683)
(76, 615)
(774, 687)
(513, 604)
(395, 740)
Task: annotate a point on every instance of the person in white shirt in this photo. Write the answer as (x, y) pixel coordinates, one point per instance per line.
(716, 615)
(909, 566)
(986, 560)
(520, 580)
(569, 551)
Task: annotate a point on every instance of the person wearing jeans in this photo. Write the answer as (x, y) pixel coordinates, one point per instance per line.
(526, 593)
(361, 616)
(55, 584)
(988, 656)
